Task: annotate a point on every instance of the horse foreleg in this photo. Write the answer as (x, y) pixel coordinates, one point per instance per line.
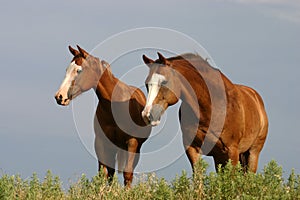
(133, 150)
(192, 153)
(106, 157)
(108, 171)
(233, 155)
(222, 159)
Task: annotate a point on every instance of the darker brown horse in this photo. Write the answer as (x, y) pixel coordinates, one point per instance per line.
(120, 130)
(217, 118)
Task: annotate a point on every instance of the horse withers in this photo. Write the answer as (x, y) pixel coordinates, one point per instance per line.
(119, 127)
(217, 118)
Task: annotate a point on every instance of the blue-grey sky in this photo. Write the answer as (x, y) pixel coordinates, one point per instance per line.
(255, 43)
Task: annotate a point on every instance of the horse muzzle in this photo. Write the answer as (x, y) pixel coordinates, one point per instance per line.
(60, 100)
(152, 114)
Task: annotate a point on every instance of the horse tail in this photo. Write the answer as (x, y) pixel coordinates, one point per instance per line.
(122, 160)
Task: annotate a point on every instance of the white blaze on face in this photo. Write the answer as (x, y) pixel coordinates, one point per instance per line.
(72, 72)
(153, 87)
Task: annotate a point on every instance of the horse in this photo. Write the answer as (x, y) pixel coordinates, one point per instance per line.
(217, 117)
(119, 127)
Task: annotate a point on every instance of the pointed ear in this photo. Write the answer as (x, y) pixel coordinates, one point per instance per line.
(162, 59)
(147, 60)
(105, 64)
(74, 52)
(84, 53)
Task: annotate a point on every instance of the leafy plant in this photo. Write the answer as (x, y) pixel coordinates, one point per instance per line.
(230, 182)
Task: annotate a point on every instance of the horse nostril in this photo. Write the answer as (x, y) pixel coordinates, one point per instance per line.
(58, 97)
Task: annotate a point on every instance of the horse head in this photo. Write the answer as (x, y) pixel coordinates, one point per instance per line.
(81, 75)
(162, 88)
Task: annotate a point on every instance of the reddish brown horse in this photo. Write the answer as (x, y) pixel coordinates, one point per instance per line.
(218, 118)
(120, 130)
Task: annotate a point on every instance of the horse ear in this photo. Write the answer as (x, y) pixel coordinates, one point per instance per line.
(105, 64)
(84, 53)
(162, 58)
(74, 52)
(147, 60)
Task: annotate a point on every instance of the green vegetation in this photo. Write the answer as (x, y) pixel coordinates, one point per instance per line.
(229, 183)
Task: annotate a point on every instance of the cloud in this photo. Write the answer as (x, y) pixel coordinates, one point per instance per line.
(288, 10)
(292, 16)
(270, 2)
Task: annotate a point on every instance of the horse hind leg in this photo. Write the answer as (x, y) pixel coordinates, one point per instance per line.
(254, 152)
(106, 158)
(253, 161)
(253, 156)
(108, 171)
(244, 160)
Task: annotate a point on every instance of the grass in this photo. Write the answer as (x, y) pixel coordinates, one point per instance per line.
(229, 183)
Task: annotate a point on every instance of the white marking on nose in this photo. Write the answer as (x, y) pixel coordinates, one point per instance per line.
(153, 88)
(155, 123)
(71, 74)
(146, 111)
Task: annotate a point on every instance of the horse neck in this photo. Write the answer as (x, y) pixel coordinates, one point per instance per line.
(106, 84)
(197, 97)
(111, 89)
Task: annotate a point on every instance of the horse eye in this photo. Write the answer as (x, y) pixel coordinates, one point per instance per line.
(79, 71)
(164, 82)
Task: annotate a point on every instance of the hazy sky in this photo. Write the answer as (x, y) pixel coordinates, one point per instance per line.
(255, 43)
